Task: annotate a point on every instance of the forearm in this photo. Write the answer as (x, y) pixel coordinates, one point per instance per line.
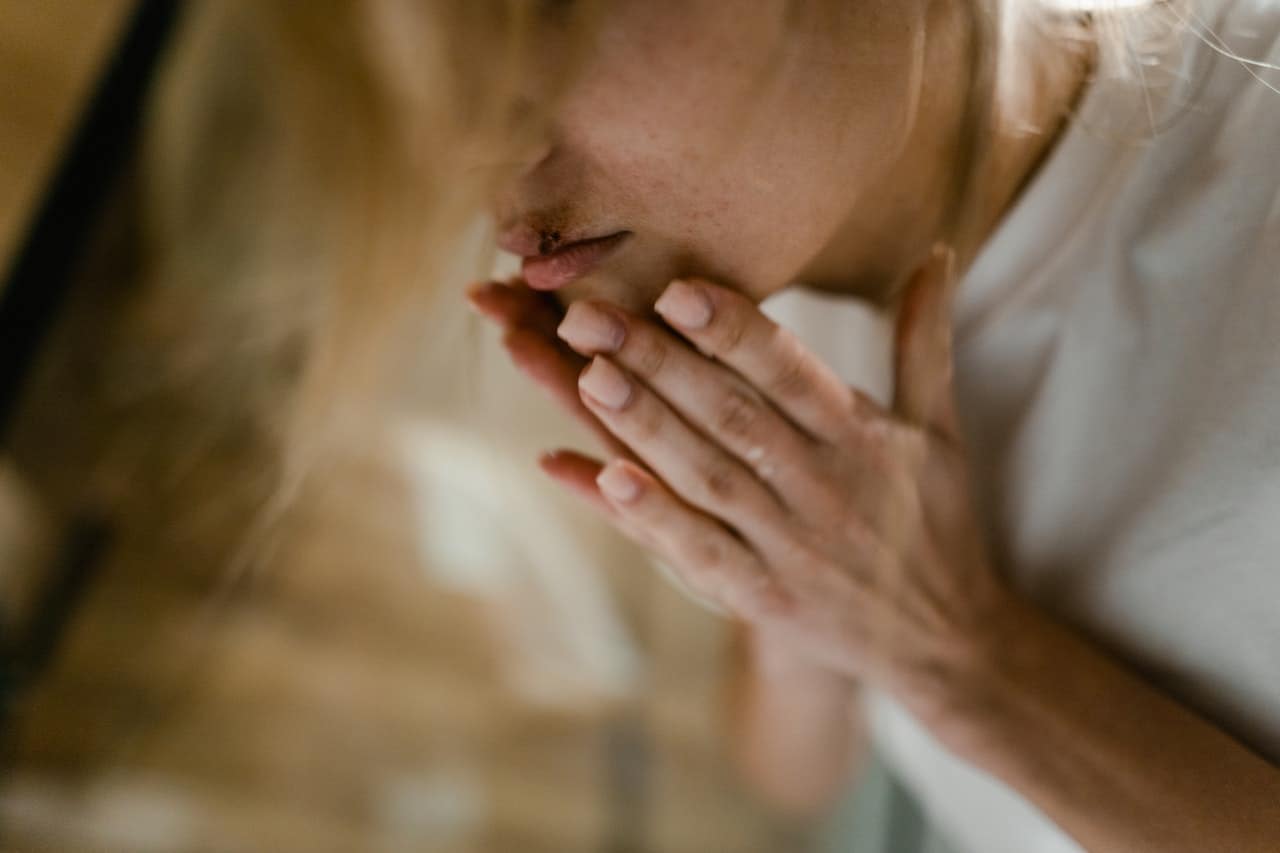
(795, 735)
(1117, 764)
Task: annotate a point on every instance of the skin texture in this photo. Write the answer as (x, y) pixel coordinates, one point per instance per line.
(907, 599)
(839, 529)
(754, 174)
(842, 533)
(817, 148)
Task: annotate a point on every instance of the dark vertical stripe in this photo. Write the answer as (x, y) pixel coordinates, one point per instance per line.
(38, 285)
(40, 278)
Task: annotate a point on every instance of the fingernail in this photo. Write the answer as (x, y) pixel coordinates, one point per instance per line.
(587, 328)
(618, 483)
(684, 305)
(605, 383)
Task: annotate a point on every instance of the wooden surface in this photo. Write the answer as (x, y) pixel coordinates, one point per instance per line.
(347, 704)
(50, 55)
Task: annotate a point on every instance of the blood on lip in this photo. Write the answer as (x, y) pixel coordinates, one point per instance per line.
(568, 261)
(547, 241)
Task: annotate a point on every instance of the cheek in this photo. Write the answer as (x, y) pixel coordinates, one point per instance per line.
(752, 208)
(748, 183)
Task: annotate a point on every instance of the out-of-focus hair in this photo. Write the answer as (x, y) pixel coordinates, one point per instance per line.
(313, 175)
(318, 171)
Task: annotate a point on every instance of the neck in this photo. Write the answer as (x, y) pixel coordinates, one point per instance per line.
(1026, 127)
(890, 232)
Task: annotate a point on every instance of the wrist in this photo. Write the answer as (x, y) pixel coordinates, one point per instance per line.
(970, 699)
(778, 661)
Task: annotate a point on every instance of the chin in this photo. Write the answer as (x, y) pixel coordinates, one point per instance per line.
(635, 294)
(637, 285)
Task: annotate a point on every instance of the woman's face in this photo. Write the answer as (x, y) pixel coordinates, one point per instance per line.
(733, 143)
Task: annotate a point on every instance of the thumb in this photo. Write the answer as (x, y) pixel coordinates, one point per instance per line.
(923, 366)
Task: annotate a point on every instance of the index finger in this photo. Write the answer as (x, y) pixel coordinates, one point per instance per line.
(556, 371)
(514, 303)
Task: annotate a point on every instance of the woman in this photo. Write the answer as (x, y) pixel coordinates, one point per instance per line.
(1047, 557)
(1020, 588)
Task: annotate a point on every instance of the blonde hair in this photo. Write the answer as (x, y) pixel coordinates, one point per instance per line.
(353, 134)
(375, 131)
(312, 181)
(315, 178)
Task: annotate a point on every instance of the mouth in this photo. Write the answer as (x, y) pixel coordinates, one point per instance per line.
(552, 270)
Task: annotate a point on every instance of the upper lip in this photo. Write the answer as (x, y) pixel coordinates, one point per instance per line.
(529, 242)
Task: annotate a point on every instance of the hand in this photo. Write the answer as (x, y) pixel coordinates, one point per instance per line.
(800, 504)
(529, 319)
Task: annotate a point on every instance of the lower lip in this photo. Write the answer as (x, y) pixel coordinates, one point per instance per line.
(554, 271)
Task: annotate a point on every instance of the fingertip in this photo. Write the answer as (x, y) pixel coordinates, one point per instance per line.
(620, 482)
(484, 298)
(556, 465)
(942, 262)
(578, 474)
(474, 294)
(685, 303)
(482, 288)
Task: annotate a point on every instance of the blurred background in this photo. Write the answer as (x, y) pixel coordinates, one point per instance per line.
(427, 648)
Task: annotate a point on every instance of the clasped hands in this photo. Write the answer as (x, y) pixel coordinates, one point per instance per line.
(839, 527)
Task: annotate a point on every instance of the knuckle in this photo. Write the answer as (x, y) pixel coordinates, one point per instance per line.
(646, 422)
(649, 355)
(791, 374)
(790, 378)
(737, 415)
(706, 566)
(733, 331)
(720, 482)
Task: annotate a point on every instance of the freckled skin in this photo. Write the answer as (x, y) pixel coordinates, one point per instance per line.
(748, 150)
(754, 160)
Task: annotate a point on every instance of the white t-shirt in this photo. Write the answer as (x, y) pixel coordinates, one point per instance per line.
(1118, 377)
